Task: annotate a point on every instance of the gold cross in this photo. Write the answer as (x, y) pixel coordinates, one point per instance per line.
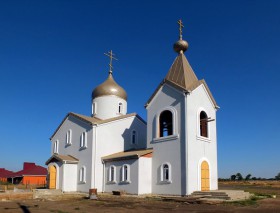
(111, 56)
(180, 28)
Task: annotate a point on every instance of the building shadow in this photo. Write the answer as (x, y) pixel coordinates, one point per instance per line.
(24, 208)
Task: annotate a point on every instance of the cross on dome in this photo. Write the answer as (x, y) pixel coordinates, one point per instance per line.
(180, 28)
(111, 56)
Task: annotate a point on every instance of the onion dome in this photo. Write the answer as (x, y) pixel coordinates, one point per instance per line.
(109, 87)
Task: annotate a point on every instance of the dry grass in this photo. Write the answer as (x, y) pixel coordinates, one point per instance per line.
(8, 186)
(258, 187)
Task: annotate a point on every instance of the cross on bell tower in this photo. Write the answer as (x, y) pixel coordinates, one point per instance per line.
(180, 28)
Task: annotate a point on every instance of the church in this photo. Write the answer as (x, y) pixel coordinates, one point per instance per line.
(174, 152)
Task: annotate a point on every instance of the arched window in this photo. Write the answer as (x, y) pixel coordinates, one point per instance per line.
(69, 137)
(94, 108)
(120, 108)
(112, 174)
(165, 124)
(133, 137)
(125, 173)
(55, 147)
(83, 142)
(165, 173)
(82, 174)
(203, 124)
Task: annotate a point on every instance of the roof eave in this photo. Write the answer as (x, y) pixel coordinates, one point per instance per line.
(135, 156)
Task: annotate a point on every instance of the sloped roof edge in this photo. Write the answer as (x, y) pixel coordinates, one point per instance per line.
(4, 173)
(62, 159)
(94, 121)
(182, 77)
(197, 84)
(132, 154)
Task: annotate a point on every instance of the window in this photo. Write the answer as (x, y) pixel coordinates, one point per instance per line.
(203, 124)
(112, 174)
(165, 173)
(125, 173)
(120, 108)
(55, 147)
(69, 137)
(165, 124)
(165, 127)
(82, 174)
(94, 108)
(133, 137)
(83, 142)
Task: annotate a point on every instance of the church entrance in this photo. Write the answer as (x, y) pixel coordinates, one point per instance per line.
(52, 177)
(205, 182)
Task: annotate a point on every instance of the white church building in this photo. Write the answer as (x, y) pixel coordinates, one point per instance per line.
(174, 152)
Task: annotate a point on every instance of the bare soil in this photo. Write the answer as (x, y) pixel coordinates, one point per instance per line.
(110, 203)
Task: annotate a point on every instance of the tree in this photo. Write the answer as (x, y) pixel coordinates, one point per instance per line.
(239, 176)
(248, 177)
(233, 177)
(277, 177)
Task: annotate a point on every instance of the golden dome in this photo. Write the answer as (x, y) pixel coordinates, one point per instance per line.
(109, 87)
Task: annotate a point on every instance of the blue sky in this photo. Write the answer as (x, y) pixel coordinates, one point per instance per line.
(51, 58)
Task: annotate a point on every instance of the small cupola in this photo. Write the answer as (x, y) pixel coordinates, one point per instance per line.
(109, 99)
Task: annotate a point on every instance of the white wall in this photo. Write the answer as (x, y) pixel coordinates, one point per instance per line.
(111, 138)
(84, 155)
(200, 148)
(132, 187)
(69, 177)
(115, 137)
(166, 151)
(108, 106)
(144, 175)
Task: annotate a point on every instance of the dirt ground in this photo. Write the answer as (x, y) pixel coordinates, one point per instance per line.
(110, 203)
